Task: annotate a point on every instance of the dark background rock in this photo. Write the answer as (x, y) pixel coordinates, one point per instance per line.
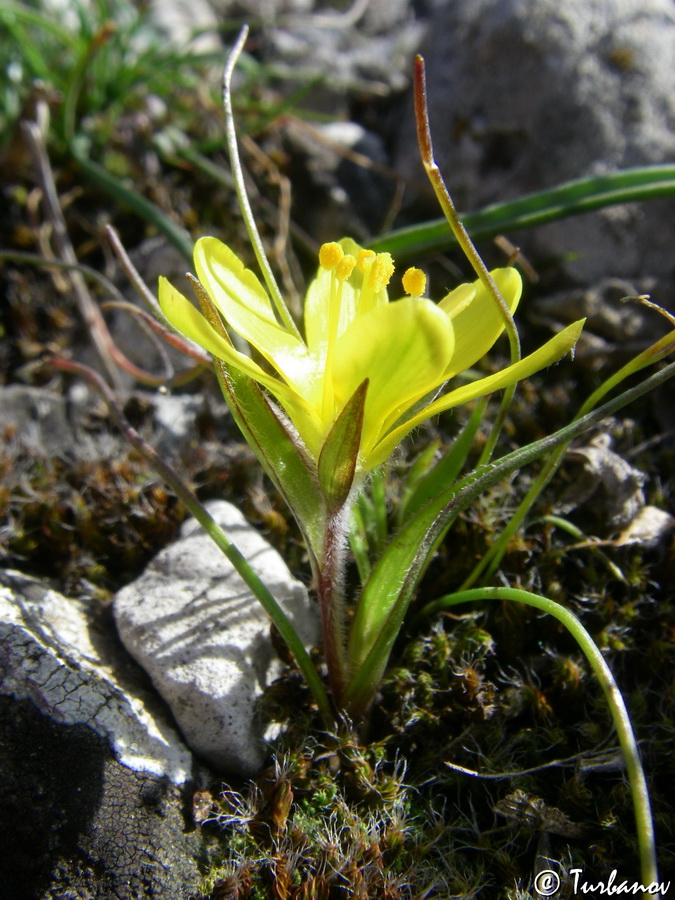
(527, 94)
(77, 824)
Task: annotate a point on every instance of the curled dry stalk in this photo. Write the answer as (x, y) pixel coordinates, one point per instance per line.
(644, 824)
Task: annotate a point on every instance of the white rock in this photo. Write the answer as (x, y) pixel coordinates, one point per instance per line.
(48, 657)
(204, 639)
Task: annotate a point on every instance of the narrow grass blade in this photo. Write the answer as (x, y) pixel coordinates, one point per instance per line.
(569, 199)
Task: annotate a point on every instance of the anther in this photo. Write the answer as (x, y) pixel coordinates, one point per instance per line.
(364, 257)
(330, 255)
(414, 282)
(345, 267)
(381, 271)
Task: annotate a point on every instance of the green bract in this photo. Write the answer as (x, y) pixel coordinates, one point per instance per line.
(403, 351)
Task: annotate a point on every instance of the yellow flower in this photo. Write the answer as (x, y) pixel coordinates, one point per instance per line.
(405, 349)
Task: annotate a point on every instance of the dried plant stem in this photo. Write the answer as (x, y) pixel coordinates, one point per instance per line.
(64, 249)
(132, 272)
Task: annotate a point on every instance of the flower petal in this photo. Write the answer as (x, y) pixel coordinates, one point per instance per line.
(245, 306)
(184, 316)
(549, 353)
(402, 348)
(477, 320)
(317, 312)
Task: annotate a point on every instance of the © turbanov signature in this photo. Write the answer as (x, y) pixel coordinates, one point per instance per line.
(548, 882)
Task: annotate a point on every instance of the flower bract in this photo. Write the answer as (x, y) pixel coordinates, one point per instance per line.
(405, 349)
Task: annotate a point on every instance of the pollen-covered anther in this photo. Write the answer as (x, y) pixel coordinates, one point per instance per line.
(364, 259)
(414, 282)
(345, 267)
(330, 255)
(381, 271)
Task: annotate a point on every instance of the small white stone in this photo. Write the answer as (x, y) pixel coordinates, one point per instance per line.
(204, 639)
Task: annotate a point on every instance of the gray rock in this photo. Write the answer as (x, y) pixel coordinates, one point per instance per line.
(34, 420)
(526, 94)
(93, 775)
(37, 422)
(606, 479)
(203, 638)
(77, 824)
(51, 654)
(367, 46)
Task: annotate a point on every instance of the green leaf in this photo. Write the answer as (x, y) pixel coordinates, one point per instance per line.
(567, 199)
(340, 452)
(272, 440)
(387, 593)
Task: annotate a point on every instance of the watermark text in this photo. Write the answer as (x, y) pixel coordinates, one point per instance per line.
(547, 884)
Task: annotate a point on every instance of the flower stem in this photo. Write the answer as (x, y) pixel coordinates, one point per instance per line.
(240, 187)
(620, 716)
(466, 244)
(331, 601)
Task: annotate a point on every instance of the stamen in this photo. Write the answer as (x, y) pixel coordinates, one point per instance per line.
(345, 267)
(414, 282)
(377, 270)
(364, 257)
(330, 255)
(381, 271)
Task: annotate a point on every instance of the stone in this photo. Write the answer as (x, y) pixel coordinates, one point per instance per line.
(527, 94)
(78, 824)
(602, 476)
(650, 528)
(204, 639)
(94, 776)
(35, 420)
(51, 655)
(368, 46)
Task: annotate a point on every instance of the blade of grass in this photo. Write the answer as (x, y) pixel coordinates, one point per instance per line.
(568, 199)
(621, 718)
(133, 201)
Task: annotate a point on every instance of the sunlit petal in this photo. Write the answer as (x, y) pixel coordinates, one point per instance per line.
(477, 320)
(402, 348)
(246, 308)
(545, 356)
(184, 316)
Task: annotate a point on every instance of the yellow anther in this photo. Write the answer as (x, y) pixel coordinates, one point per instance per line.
(414, 282)
(363, 257)
(330, 255)
(381, 271)
(345, 267)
